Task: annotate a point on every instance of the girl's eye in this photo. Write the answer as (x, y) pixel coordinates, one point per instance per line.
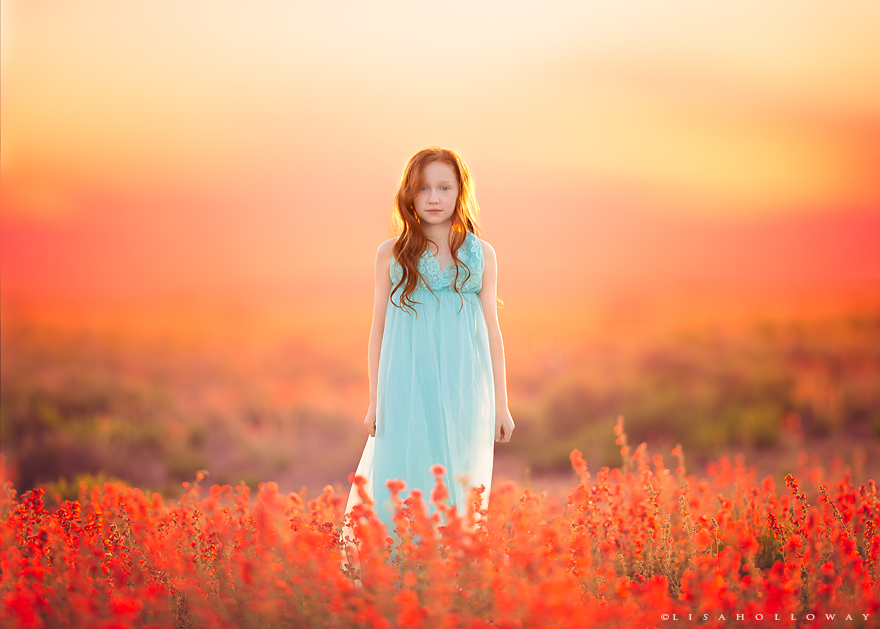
(445, 188)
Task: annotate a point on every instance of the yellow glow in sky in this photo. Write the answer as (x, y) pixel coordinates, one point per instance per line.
(719, 108)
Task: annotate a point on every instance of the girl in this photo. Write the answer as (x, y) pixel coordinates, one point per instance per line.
(438, 390)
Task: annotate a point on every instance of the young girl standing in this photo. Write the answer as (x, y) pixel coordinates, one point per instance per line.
(438, 392)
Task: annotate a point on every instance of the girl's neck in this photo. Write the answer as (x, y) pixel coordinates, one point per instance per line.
(438, 234)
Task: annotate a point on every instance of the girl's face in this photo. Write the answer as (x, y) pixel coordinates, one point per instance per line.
(435, 204)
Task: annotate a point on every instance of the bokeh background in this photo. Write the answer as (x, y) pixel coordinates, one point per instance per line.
(684, 198)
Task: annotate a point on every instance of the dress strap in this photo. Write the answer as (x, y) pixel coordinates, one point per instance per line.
(475, 254)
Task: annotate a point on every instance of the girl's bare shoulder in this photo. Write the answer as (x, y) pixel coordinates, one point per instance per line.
(386, 250)
(488, 250)
(387, 246)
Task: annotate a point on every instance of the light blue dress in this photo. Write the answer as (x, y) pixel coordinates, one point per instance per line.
(435, 391)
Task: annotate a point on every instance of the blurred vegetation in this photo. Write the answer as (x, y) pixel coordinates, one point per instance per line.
(768, 387)
(80, 406)
(71, 489)
(76, 406)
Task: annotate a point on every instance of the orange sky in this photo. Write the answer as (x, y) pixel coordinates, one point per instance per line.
(221, 156)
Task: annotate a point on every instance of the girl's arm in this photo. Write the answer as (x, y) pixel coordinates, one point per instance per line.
(380, 303)
(503, 421)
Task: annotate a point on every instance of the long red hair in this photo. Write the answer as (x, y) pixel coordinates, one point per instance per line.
(412, 242)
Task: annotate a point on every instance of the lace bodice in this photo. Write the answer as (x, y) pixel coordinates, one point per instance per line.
(470, 252)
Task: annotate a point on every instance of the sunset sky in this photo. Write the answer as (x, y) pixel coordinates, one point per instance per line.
(228, 157)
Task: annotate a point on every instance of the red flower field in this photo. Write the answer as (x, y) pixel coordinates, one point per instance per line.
(641, 545)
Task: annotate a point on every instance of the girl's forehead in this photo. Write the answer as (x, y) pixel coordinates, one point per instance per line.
(439, 170)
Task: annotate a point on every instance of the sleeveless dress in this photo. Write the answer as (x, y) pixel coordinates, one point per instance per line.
(435, 390)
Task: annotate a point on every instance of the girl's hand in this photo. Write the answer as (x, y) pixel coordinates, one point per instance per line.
(503, 426)
(370, 420)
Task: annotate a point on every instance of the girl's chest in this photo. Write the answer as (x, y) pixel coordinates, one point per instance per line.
(443, 258)
(438, 271)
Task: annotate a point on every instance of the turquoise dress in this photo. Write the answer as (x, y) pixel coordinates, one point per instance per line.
(435, 391)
